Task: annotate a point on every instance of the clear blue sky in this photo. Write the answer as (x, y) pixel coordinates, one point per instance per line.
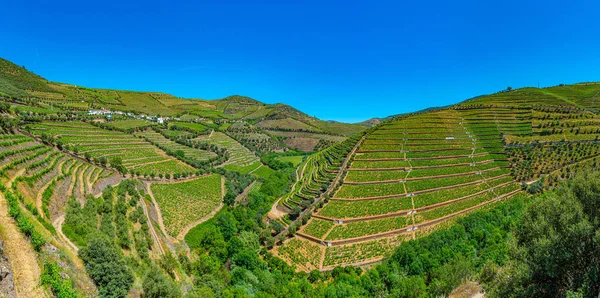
(340, 60)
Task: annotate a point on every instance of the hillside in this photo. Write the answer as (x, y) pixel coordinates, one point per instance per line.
(18, 83)
(418, 173)
(215, 201)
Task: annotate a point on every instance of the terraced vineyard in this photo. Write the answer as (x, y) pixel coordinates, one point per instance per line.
(136, 155)
(420, 171)
(238, 154)
(407, 175)
(162, 142)
(38, 181)
(46, 177)
(128, 124)
(316, 174)
(188, 205)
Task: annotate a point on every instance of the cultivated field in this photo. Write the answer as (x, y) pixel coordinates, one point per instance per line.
(407, 175)
(182, 204)
(238, 154)
(137, 155)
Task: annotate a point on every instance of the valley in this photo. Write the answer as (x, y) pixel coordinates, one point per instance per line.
(209, 197)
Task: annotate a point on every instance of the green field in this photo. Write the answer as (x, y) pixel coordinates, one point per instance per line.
(199, 197)
(295, 160)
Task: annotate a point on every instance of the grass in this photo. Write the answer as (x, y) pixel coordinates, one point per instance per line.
(243, 169)
(263, 172)
(295, 159)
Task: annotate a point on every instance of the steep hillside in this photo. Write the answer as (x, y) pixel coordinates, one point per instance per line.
(212, 198)
(419, 172)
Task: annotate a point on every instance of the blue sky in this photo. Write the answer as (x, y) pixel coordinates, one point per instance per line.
(338, 60)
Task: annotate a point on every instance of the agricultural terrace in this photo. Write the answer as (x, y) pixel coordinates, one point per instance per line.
(189, 126)
(46, 177)
(524, 97)
(558, 136)
(556, 125)
(316, 175)
(184, 204)
(408, 175)
(174, 147)
(253, 137)
(136, 155)
(128, 124)
(306, 141)
(238, 154)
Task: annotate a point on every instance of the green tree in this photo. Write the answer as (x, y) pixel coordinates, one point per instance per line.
(157, 285)
(106, 266)
(227, 225)
(557, 243)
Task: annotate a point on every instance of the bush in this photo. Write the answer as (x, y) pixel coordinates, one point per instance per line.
(61, 288)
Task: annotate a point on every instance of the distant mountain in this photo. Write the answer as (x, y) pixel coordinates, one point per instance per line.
(18, 83)
(370, 122)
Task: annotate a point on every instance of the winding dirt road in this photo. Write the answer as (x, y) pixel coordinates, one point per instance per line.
(58, 222)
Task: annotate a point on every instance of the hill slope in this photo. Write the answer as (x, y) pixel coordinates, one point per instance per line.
(417, 173)
(18, 82)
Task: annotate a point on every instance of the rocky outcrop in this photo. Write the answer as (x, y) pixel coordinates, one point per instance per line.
(7, 284)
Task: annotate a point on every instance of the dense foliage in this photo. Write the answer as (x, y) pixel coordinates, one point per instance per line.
(104, 226)
(432, 265)
(106, 266)
(557, 244)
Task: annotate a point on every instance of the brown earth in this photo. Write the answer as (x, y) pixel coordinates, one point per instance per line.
(303, 144)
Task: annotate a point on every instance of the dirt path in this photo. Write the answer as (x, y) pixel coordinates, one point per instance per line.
(88, 181)
(23, 259)
(38, 198)
(244, 193)
(81, 178)
(95, 179)
(58, 222)
(159, 216)
(261, 165)
(158, 246)
(223, 191)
